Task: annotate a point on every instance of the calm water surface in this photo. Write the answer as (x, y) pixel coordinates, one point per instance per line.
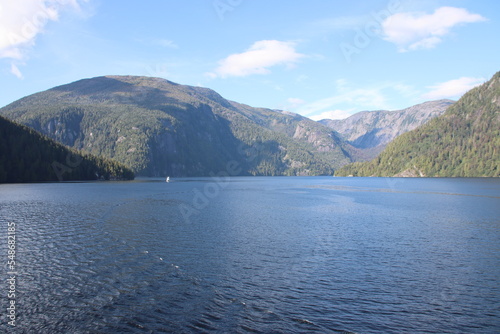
(254, 255)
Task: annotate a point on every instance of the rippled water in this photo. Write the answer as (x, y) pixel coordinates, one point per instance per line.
(255, 255)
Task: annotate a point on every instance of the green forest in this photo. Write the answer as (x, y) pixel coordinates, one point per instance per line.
(463, 142)
(28, 156)
(158, 128)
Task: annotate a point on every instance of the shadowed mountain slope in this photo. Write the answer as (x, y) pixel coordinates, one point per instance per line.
(28, 156)
(158, 128)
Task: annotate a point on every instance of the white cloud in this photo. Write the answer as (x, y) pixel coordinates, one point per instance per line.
(333, 114)
(15, 70)
(165, 43)
(413, 31)
(291, 103)
(21, 21)
(258, 59)
(350, 99)
(453, 88)
(361, 98)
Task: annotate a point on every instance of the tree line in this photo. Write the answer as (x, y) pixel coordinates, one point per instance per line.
(28, 156)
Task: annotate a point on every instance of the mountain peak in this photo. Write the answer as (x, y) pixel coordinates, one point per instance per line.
(462, 142)
(373, 130)
(158, 127)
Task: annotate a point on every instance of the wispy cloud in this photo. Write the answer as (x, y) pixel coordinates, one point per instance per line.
(15, 70)
(413, 31)
(333, 114)
(22, 21)
(453, 88)
(163, 42)
(258, 59)
(347, 101)
(291, 103)
(166, 43)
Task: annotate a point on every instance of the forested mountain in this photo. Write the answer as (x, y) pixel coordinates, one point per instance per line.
(371, 131)
(159, 128)
(28, 156)
(463, 142)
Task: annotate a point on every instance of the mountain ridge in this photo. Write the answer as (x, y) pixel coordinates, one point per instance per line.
(371, 131)
(463, 142)
(158, 128)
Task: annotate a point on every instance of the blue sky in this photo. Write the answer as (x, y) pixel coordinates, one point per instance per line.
(318, 58)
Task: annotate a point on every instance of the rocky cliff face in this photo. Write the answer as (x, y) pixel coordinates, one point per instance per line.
(463, 142)
(373, 130)
(158, 127)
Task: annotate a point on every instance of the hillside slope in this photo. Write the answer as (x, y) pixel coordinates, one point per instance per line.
(27, 156)
(371, 131)
(463, 142)
(159, 128)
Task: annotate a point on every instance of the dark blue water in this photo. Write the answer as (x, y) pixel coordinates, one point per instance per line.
(254, 255)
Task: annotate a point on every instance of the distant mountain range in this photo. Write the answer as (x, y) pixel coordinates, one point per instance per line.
(463, 142)
(28, 156)
(160, 128)
(371, 131)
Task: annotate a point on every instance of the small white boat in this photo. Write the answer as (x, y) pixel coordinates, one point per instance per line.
(168, 179)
